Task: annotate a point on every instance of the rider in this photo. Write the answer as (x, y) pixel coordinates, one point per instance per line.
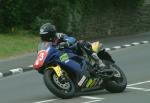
(48, 34)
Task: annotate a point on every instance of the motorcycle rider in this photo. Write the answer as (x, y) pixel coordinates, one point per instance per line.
(48, 34)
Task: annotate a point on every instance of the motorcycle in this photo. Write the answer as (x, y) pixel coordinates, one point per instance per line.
(65, 73)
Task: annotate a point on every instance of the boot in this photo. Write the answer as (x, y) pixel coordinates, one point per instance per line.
(98, 60)
(100, 66)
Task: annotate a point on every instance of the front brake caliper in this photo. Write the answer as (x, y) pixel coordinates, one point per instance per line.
(57, 70)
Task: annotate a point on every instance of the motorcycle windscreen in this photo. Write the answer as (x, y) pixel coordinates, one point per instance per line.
(43, 49)
(44, 45)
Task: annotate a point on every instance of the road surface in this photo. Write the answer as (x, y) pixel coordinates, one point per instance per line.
(29, 87)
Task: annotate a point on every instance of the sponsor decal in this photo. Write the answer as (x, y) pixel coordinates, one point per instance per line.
(64, 57)
(81, 81)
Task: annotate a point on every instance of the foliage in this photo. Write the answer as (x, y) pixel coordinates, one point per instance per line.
(70, 16)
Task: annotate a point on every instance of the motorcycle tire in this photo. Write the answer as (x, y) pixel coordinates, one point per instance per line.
(116, 84)
(55, 89)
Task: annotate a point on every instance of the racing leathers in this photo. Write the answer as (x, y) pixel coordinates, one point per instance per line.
(80, 47)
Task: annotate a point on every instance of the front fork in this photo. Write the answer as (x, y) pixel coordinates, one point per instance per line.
(57, 70)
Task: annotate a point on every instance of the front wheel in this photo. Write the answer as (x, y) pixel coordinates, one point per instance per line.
(62, 87)
(118, 82)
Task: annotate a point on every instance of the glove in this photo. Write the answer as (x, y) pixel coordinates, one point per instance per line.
(63, 45)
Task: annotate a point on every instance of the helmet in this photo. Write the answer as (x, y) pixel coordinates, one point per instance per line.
(47, 32)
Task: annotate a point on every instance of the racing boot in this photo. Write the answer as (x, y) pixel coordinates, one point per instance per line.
(100, 65)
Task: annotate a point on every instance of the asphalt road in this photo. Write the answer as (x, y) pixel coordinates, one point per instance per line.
(28, 59)
(28, 87)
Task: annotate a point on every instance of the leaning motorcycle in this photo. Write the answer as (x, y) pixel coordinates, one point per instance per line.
(65, 73)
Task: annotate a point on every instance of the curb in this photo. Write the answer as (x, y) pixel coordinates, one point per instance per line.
(126, 45)
(29, 68)
(16, 71)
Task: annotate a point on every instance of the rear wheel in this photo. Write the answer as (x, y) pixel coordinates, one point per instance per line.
(118, 82)
(62, 87)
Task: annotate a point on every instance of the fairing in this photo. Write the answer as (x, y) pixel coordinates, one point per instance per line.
(64, 58)
(43, 50)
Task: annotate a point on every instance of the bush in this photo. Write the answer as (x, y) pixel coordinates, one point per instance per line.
(77, 17)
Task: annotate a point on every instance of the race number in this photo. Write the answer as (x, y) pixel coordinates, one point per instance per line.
(40, 59)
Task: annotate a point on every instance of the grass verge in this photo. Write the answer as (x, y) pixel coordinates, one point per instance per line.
(13, 44)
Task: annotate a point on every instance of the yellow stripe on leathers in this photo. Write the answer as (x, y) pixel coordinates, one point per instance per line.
(57, 70)
(95, 46)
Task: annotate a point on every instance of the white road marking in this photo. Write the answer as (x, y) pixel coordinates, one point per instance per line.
(130, 86)
(139, 83)
(117, 47)
(107, 49)
(1, 74)
(90, 97)
(46, 101)
(135, 43)
(145, 42)
(30, 66)
(136, 88)
(141, 89)
(127, 45)
(147, 90)
(15, 71)
(92, 101)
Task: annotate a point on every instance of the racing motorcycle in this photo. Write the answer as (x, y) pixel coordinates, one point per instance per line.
(65, 73)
